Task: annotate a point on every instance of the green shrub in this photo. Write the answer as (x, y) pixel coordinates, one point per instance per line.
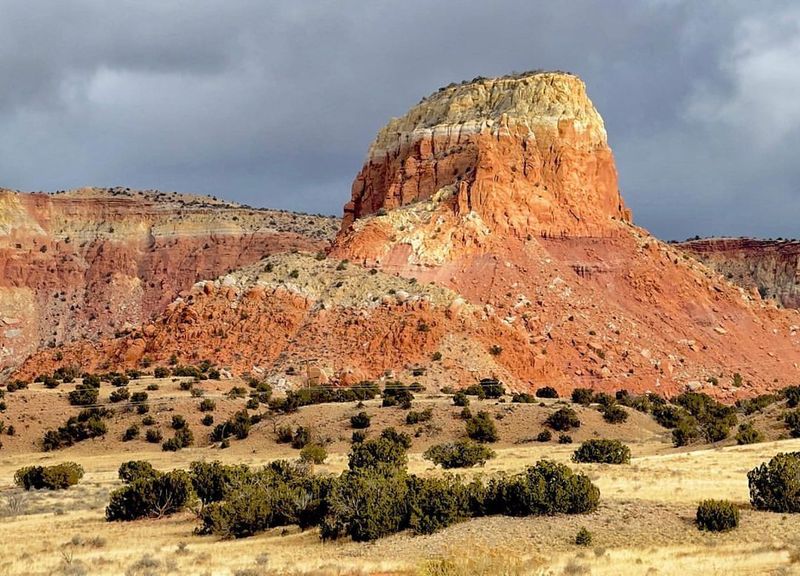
(685, 432)
(139, 397)
(792, 420)
(301, 437)
(547, 392)
(459, 454)
(83, 395)
(563, 420)
(717, 515)
(237, 425)
(603, 451)
(182, 439)
(436, 503)
(57, 477)
(178, 422)
(161, 372)
(314, 453)
(792, 395)
(366, 504)
(131, 433)
(564, 439)
(583, 537)
(775, 486)
(213, 481)
(582, 396)
(208, 420)
(120, 394)
(360, 420)
(397, 394)
(207, 405)
(415, 417)
(544, 436)
(135, 470)
(283, 434)
(151, 497)
(544, 489)
(460, 399)
(481, 427)
(523, 398)
(614, 414)
(668, 416)
(387, 452)
(87, 424)
(153, 436)
(748, 434)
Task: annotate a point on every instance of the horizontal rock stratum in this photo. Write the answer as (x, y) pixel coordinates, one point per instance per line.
(772, 267)
(486, 236)
(89, 263)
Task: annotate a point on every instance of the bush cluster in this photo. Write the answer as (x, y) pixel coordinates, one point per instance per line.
(295, 399)
(150, 494)
(415, 417)
(57, 477)
(397, 394)
(547, 392)
(87, 424)
(375, 497)
(603, 451)
(238, 426)
(459, 454)
(486, 388)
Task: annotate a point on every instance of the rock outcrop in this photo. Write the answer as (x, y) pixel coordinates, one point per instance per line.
(772, 267)
(90, 263)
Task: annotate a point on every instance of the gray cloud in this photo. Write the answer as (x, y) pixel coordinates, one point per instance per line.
(275, 103)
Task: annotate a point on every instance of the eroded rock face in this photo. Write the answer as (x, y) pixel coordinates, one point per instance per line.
(771, 267)
(89, 263)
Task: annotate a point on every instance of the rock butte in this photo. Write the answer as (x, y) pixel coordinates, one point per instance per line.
(486, 225)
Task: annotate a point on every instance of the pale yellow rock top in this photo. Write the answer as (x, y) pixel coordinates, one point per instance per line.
(536, 100)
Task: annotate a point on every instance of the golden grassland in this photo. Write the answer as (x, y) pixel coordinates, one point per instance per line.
(644, 525)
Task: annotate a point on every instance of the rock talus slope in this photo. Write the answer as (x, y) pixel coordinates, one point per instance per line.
(92, 262)
(486, 236)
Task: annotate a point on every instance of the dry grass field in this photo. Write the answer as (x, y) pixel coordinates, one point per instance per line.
(644, 524)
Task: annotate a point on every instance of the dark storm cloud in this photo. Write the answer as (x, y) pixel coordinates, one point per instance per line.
(275, 103)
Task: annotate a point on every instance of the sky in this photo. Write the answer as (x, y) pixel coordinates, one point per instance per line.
(275, 103)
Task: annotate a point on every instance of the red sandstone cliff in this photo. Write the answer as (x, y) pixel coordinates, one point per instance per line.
(770, 266)
(89, 263)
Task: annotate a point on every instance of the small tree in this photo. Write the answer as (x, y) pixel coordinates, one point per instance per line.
(547, 392)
